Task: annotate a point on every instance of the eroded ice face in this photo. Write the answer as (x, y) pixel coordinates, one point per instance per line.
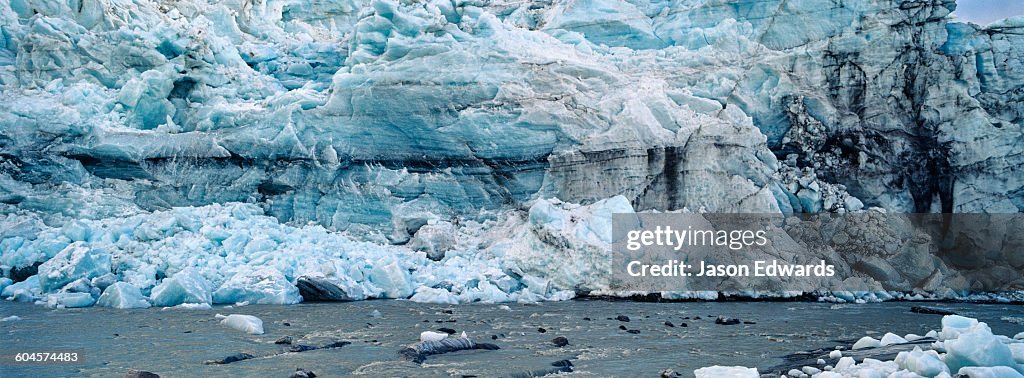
(134, 128)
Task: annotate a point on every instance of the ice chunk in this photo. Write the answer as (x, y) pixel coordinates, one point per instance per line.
(122, 295)
(835, 354)
(608, 22)
(80, 285)
(974, 346)
(104, 281)
(431, 295)
(726, 372)
(891, 338)
(393, 279)
(190, 306)
(913, 337)
(1017, 349)
(187, 286)
(845, 363)
(24, 291)
(10, 318)
(432, 336)
(245, 323)
(77, 260)
(4, 283)
(925, 363)
(867, 342)
(953, 325)
(989, 372)
(259, 286)
(69, 300)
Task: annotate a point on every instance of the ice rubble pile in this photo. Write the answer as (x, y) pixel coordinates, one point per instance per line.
(964, 347)
(132, 130)
(234, 253)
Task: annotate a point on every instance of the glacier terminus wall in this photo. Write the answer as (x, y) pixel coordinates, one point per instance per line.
(388, 145)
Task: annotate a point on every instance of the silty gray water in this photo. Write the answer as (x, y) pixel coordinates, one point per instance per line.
(176, 342)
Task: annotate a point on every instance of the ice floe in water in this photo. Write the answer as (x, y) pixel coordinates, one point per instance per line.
(965, 348)
(726, 372)
(245, 323)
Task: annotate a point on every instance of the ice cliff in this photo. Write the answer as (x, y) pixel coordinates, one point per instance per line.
(184, 147)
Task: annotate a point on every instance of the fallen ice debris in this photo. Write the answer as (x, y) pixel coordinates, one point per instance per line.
(245, 323)
(926, 363)
(187, 286)
(76, 261)
(418, 352)
(867, 342)
(432, 336)
(10, 318)
(69, 300)
(189, 306)
(122, 295)
(890, 339)
(261, 285)
(975, 346)
(24, 291)
(966, 348)
(4, 283)
(726, 372)
(989, 372)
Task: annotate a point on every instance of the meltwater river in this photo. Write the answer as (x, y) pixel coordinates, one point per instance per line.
(177, 342)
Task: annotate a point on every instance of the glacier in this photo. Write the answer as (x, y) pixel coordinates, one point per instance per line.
(454, 151)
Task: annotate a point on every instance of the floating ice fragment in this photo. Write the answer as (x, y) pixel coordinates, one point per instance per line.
(867, 342)
(726, 372)
(432, 336)
(189, 306)
(890, 339)
(245, 323)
